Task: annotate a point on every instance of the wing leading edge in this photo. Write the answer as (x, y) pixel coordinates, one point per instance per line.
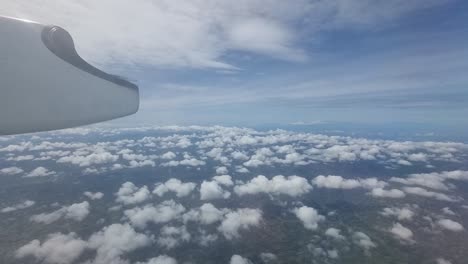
(45, 85)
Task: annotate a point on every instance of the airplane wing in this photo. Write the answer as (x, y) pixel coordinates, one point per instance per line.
(45, 85)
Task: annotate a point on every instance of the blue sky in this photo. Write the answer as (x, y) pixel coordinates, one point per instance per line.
(265, 61)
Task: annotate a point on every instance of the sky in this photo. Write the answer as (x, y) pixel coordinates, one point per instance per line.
(275, 62)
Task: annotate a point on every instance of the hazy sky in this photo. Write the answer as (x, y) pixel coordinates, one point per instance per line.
(263, 61)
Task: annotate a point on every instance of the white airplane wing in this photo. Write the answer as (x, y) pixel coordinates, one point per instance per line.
(46, 85)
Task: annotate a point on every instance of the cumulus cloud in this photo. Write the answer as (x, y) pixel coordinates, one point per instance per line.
(401, 213)
(308, 216)
(162, 259)
(47, 218)
(237, 259)
(434, 180)
(237, 220)
(450, 225)
(338, 182)
(363, 240)
(448, 211)
(401, 232)
(110, 244)
(58, 248)
(39, 172)
(115, 240)
(77, 212)
(239, 155)
(21, 158)
(174, 185)
(292, 185)
(443, 261)
(186, 162)
(161, 213)
(99, 156)
(335, 233)
(138, 164)
(11, 171)
(241, 169)
(392, 193)
(222, 170)
(131, 194)
(205, 238)
(430, 194)
(210, 190)
(225, 180)
(171, 236)
(268, 257)
(23, 205)
(94, 196)
(168, 155)
(206, 214)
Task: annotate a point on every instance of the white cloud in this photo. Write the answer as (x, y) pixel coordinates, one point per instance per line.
(171, 236)
(308, 216)
(99, 156)
(292, 185)
(401, 213)
(58, 248)
(338, 182)
(21, 158)
(199, 34)
(186, 162)
(210, 190)
(130, 194)
(138, 164)
(110, 244)
(448, 211)
(161, 213)
(241, 169)
(239, 155)
(434, 180)
(184, 142)
(422, 157)
(240, 219)
(162, 259)
(335, 233)
(48, 218)
(268, 257)
(39, 172)
(11, 171)
(206, 239)
(225, 180)
(77, 212)
(401, 232)
(392, 193)
(115, 240)
(181, 189)
(425, 193)
(94, 196)
(443, 261)
(206, 214)
(222, 170)
(339, 153)
(237, 259)
(363, 240)
(404, 162)
(19, 147)
(168, 155)
(450, 225)
(23, 205)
